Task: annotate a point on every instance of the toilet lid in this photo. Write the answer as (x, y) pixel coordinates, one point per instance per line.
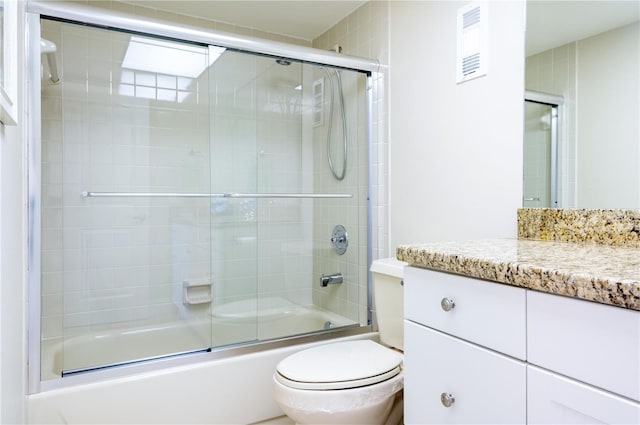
(341, 365)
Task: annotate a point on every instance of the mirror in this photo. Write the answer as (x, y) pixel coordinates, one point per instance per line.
(585, 57)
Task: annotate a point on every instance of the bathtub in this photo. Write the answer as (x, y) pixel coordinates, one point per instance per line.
(205, 387)
(232, 389)
(230, 323)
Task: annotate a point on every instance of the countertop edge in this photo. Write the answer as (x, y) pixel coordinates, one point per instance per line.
(618, 293)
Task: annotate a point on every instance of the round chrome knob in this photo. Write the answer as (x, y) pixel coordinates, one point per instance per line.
(447, 400)
(447, 304)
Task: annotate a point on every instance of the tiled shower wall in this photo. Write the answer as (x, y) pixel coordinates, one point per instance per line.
(183, 170)
(363, 33)
(112, 260)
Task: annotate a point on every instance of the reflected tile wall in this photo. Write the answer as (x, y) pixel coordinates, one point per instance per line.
(554, 72)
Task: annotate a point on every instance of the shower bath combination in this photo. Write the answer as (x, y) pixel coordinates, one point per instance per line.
(173, 179)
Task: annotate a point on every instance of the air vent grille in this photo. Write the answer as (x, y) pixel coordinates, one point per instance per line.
(471, 18)
(472, 42)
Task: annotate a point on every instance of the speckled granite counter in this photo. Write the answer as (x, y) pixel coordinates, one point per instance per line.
(600, 273)
(605, 227)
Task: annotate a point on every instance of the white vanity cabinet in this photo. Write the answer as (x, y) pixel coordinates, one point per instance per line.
(457, 330)
(584, 362)
(483, 352)
(557, 400)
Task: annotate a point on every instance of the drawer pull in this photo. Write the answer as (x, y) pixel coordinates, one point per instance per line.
(447, 304)
(447, 400)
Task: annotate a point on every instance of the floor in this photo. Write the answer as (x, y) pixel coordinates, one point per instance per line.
(282, 420)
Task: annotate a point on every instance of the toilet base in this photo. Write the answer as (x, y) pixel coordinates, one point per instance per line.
(372, 405)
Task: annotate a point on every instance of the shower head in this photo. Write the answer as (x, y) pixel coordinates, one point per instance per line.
(283, 62)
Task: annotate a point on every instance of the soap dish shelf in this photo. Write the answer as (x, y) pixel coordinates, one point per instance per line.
(196, 292)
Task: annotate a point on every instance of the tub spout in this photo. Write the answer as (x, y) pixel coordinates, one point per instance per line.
(327, 279)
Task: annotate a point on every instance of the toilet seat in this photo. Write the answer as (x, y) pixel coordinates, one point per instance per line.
(343, 365)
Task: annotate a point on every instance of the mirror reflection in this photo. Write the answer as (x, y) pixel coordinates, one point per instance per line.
(582, 83)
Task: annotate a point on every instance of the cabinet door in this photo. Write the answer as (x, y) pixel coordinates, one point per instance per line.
(553, 399)
(487, 387)
(593, 343)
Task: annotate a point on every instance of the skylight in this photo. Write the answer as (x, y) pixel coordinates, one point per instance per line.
(167, 57)
(163, 70)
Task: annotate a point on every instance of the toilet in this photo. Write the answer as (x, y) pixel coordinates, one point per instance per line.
(351, 382)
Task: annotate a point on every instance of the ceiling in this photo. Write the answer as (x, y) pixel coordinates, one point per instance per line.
(555, 23)
(305, 19)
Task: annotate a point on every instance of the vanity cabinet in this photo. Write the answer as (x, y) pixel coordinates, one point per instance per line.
(448, 380)
(593, 343)
(584, 362)
(457, 331)
(558, 400)
(483, 352)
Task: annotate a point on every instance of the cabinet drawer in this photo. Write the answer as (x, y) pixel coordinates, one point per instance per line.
(487, 313)
(553, 399)
(593, 343)
(488, 387)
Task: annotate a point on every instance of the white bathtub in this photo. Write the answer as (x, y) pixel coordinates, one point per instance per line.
(230, 323)
(232, 390)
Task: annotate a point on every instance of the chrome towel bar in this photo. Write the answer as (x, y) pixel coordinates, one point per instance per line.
(212, 195)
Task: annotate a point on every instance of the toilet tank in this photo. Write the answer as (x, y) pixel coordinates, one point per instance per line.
(388, 299)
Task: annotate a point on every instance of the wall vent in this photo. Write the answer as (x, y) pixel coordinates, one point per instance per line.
(318, 102)
(471, 59)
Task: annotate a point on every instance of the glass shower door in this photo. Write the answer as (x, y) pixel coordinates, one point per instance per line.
(540, 155)
(126, 264)
(277, 203)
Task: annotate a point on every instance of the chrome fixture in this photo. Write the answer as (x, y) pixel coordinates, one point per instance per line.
(87, 194)
(447, 304)
(340, 239)
(332, 168)
(447, 399)
(329, 279)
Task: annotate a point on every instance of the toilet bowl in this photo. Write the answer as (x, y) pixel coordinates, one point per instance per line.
(352, 382)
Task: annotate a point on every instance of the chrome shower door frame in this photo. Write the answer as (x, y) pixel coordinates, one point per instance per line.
(115, 20)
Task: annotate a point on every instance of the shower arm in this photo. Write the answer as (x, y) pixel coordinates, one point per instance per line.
(53, 68)
(49, 48)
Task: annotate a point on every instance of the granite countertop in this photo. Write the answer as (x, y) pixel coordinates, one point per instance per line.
(600, 273)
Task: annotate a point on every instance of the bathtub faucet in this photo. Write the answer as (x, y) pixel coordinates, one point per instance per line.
(327, 279)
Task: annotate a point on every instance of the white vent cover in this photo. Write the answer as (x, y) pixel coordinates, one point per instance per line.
(471, 60)
(318, 102)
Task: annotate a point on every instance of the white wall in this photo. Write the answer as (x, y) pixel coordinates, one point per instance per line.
(608, 76)
(456, 150)
(13, 248)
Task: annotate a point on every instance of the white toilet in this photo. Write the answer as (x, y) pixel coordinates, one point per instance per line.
(352, 382)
